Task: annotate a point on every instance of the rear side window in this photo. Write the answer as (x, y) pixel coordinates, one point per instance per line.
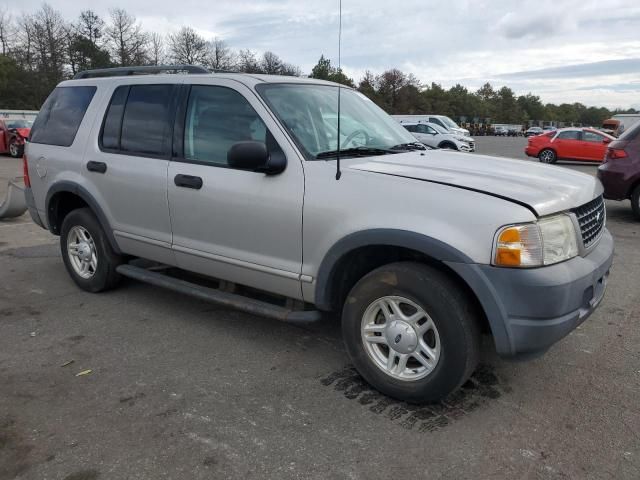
(61, 116)
(138, 120)
(570, 135)
(592, 137)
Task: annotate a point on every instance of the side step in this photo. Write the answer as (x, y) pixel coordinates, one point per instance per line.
(231, 300)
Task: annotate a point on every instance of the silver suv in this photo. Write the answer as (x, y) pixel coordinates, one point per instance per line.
(250, 180)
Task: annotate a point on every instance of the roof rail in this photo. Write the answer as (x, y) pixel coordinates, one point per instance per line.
(138, 70)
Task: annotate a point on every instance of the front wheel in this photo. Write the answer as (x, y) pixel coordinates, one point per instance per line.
(635, 202)
(447, 146)
(547, 156)
(411, 332)
(16, 150)
(86, 252)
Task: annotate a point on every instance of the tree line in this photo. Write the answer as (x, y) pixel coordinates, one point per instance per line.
(40, 49)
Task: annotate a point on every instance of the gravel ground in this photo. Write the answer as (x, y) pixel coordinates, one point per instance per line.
(184, 389)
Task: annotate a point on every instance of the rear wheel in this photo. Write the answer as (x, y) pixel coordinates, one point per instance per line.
(86, 252)
(547, 156)
(635, 202)
(411, 332)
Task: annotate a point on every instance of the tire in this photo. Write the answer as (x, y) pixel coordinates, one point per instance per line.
(100, 275)
(453, 334)
(547, 156)
(447, 146)
(635, 201)
(15, 150)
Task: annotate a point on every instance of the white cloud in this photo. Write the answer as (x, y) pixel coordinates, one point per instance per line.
(466, 41)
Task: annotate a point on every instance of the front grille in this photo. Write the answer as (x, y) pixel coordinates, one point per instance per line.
(472, 146)
(591, 217)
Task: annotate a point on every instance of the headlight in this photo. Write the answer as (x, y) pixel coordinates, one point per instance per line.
(548, 241)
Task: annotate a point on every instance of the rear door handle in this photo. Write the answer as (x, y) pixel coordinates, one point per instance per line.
(99, 167)
(188, 181)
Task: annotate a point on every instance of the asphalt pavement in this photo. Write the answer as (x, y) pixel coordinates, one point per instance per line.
(182, 389)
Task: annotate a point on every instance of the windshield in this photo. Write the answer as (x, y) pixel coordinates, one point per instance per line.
(310, 114)
(449, 123)
(19, 123)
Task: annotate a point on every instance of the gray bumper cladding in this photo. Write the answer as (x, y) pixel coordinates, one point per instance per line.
(530, 310)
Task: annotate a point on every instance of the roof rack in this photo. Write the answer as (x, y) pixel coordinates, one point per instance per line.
(139, 70)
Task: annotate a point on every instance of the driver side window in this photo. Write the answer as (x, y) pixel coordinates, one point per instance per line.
(218, 117)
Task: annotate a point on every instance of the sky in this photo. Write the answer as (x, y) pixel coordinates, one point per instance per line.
(562, 50)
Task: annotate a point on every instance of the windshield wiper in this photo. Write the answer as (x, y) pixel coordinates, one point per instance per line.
(409, 146)
(356, 152)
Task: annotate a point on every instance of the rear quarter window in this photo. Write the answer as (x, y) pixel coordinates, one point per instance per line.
(61, 116)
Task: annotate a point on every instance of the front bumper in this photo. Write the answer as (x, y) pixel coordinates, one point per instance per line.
(531, 309)
(531, 152)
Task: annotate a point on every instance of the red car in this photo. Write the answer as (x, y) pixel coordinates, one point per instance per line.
(584, 144)
(13, 134)
(620, 171)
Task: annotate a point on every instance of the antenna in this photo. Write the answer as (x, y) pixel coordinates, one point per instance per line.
(338, 172)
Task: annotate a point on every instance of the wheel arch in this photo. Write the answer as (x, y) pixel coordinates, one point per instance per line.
(385, 243)
(334, 279)
(65, 196)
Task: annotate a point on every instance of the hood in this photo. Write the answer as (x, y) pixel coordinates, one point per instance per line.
(543, 188)
(24, 132)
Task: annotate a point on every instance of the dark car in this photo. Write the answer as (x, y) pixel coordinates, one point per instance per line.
(620, 169)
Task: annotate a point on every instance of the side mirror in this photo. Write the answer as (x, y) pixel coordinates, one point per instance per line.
(606, 141)
(254, 156)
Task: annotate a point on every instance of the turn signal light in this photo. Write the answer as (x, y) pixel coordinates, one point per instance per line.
(519, 246)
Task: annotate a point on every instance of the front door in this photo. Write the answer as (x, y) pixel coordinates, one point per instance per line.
(236, 225)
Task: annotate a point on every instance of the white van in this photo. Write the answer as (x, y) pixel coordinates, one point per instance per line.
(440, 120)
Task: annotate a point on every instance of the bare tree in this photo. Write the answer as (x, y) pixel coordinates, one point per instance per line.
(290, 70)
(91, 27)
(156, 48)
(186, 46)
(50, 34)
(85, 43)
(126, 39)
(220, 56)
(247, 62)
(7, 31)
(271, 64)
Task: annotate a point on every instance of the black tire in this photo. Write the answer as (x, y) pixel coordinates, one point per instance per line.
(635, 201)
(105, 276)
(452, 313)
(447, 146)
(548, 156)
(15, 150)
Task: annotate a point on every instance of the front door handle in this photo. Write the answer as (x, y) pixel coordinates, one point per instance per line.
(188, 181)
(99, 167)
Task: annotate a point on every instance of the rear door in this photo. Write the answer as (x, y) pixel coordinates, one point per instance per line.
(593, 145)
(126, 166)
(240, 226)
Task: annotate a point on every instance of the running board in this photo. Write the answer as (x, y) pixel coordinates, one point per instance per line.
(231, 300)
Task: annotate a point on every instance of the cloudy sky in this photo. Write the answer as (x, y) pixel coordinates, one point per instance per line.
(562, 50)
